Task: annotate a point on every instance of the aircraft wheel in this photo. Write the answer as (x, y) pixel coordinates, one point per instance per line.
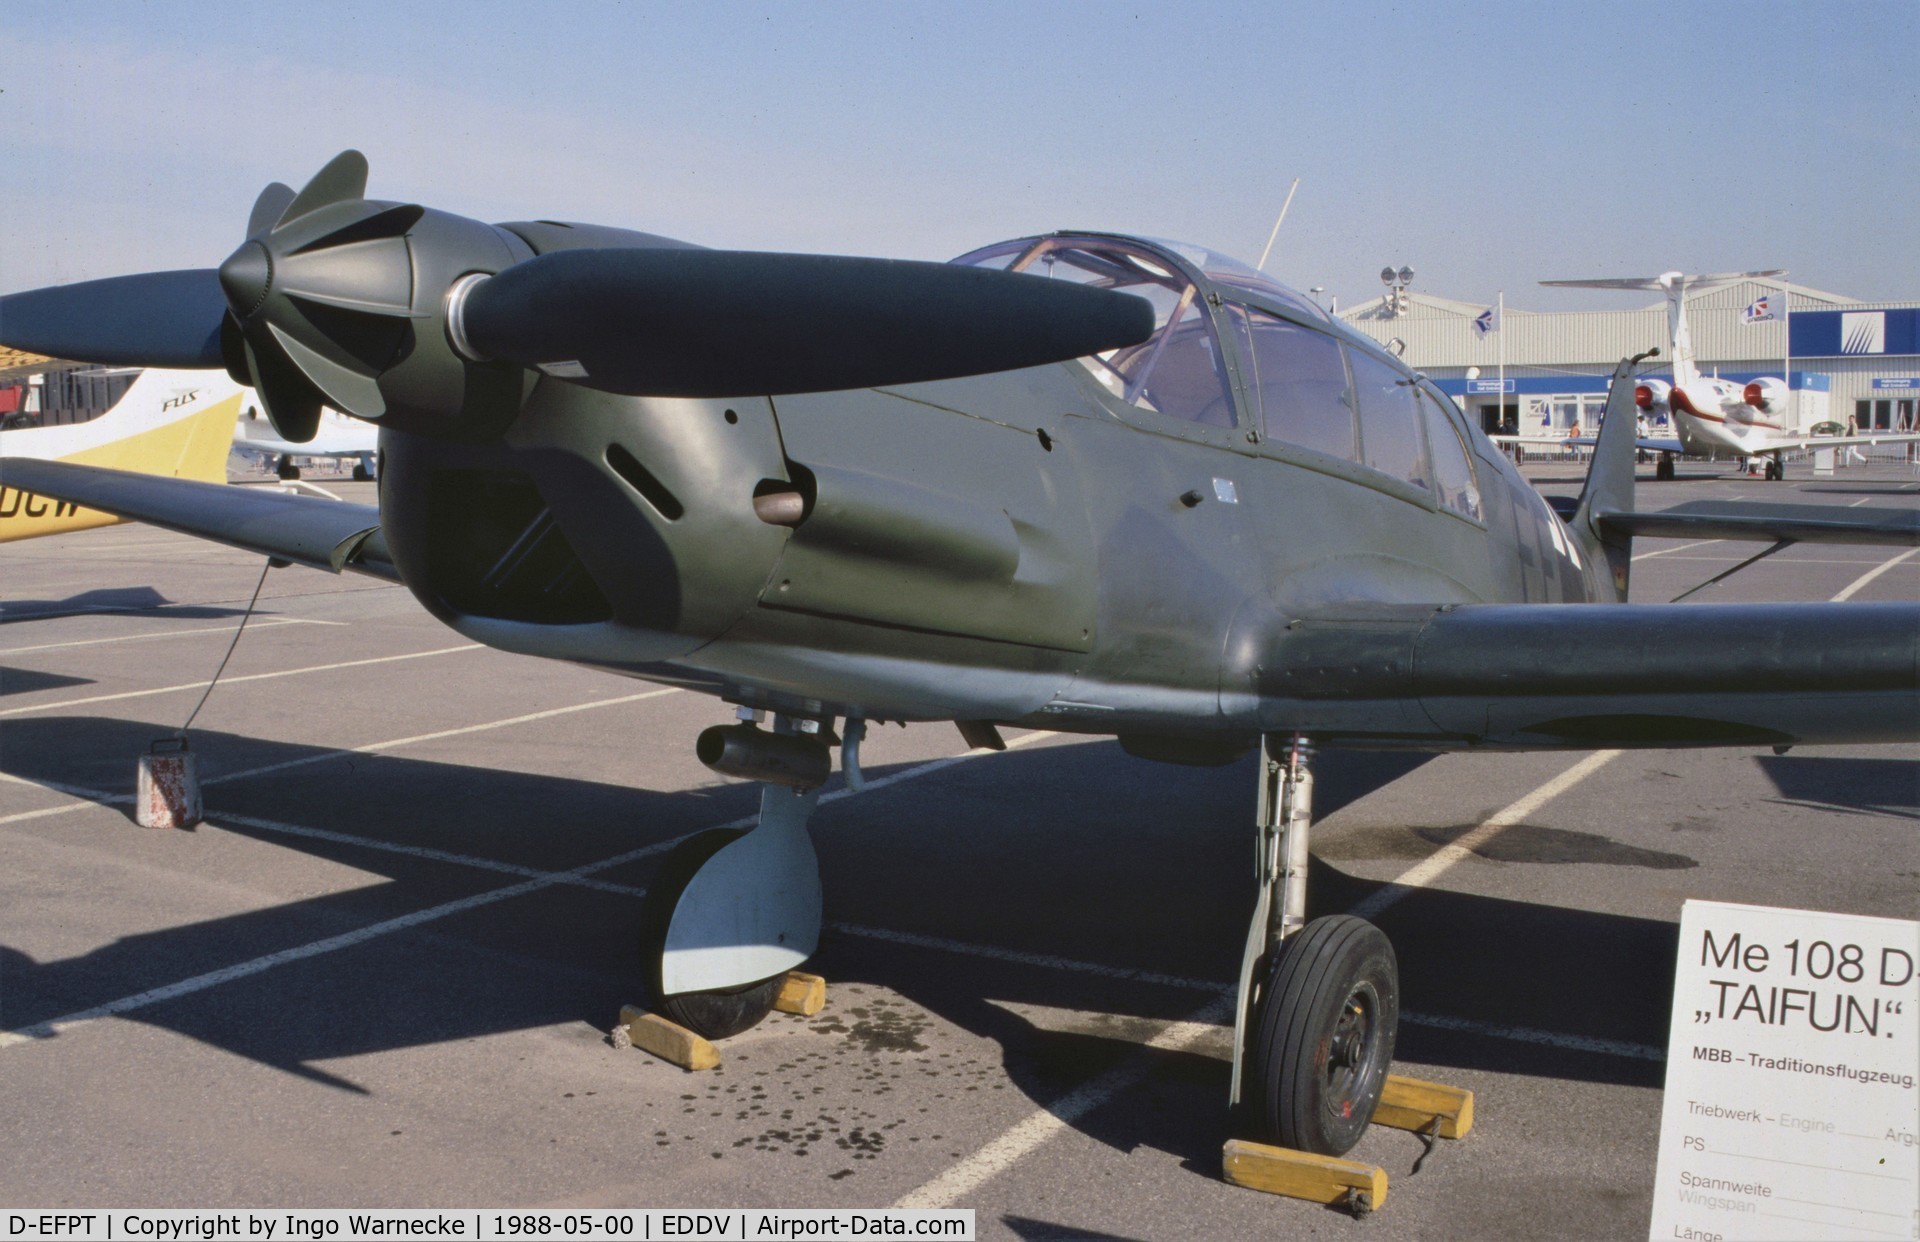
(1324, 1041)
(1775, 471)
(287, 470)
(1663, 469)
(360, 472)
(711, 1015)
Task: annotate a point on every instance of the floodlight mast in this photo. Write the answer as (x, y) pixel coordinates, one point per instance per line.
(1396, 282)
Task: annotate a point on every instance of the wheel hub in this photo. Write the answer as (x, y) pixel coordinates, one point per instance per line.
(1347, 1048)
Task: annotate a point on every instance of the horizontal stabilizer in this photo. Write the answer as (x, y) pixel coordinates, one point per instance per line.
(324, 534)
(1708, 519)
(1691, 282)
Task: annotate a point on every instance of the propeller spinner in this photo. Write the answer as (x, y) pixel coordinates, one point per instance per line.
(427, 321)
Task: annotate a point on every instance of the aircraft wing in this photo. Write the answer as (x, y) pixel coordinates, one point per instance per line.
(1597, 675)
(323, 534)
(1647, 443)
(1860, 440)
(1708, 519)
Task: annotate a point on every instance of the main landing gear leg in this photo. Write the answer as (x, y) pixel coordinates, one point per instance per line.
(730, 912)
(1319, 1001)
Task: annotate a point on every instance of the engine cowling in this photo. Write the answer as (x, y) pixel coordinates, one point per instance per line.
(1767, 394)
(1652, 395)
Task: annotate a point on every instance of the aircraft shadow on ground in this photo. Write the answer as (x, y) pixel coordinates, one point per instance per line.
(1028, 1229)
(32, 681)
(1865, 786)
(108, 600)
(1072, 850)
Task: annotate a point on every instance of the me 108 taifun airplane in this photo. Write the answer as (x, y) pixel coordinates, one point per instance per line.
(1078, 482)
(1712, 417)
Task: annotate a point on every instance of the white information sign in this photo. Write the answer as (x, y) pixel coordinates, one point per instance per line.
(1790, 1108)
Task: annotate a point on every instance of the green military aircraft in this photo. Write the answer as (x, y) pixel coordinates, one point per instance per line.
(1078, 482)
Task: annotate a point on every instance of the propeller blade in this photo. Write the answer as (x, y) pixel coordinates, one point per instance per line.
(714, 323)
(292, 406)
(269, 207)
(342, 179)
(156, 319)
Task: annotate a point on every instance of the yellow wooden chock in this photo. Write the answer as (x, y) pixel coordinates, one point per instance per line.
(667, 1040)
(1410, 1104)
(801, 993)
(1303, 1175)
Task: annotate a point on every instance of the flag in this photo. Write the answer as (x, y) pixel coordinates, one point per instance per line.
(1486, 322)
(1761, 308)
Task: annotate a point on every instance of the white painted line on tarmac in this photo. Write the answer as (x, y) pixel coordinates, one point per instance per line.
(1871, 574)
(374, 748)
(90, 797)
(976, 1170)
(1459, 850)
(1530, 1035)
(230, 681)
(1788, 562)
(103, 798)
(1043, 961)
(135, 638)
(241, 970)
(544, 880)
(1040, 961)
(282, 828)
(1647, 556)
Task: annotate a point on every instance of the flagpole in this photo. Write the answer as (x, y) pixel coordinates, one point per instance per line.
(1500, 325)
(1786, 355)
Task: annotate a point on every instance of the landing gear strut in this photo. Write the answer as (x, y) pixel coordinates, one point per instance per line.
(1319, 1001)
(731, 911)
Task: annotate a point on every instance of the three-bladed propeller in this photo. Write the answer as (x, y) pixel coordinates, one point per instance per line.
(422, 319)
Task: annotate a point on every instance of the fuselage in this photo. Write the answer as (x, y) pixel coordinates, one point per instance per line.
(1713, 418)
(176, 423)
(1104, 545)
(336, 436)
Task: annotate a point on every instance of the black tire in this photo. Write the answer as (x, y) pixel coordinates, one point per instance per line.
(1663, 469)
(711, 1015)
(361, 474)
(286, 469)
(1324, 1040)
(1776, 472)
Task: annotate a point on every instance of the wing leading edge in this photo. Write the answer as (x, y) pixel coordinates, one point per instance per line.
(1545, 676)
(323, 534)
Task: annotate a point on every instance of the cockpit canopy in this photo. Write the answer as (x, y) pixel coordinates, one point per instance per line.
(1290, 374)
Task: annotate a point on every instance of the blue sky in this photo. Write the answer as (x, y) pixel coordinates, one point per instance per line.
(1489, 146)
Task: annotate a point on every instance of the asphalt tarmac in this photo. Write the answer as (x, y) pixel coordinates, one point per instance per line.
(383, 970)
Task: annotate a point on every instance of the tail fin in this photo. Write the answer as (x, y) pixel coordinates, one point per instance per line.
(176, 423)
(1609, 487)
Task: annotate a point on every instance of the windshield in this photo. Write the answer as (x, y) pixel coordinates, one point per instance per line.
(1178, 371)
(1226, 270)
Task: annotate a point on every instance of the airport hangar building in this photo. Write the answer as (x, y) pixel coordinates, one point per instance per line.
(1846, 359)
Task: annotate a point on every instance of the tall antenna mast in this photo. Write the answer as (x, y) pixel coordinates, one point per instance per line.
(1261, 266)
